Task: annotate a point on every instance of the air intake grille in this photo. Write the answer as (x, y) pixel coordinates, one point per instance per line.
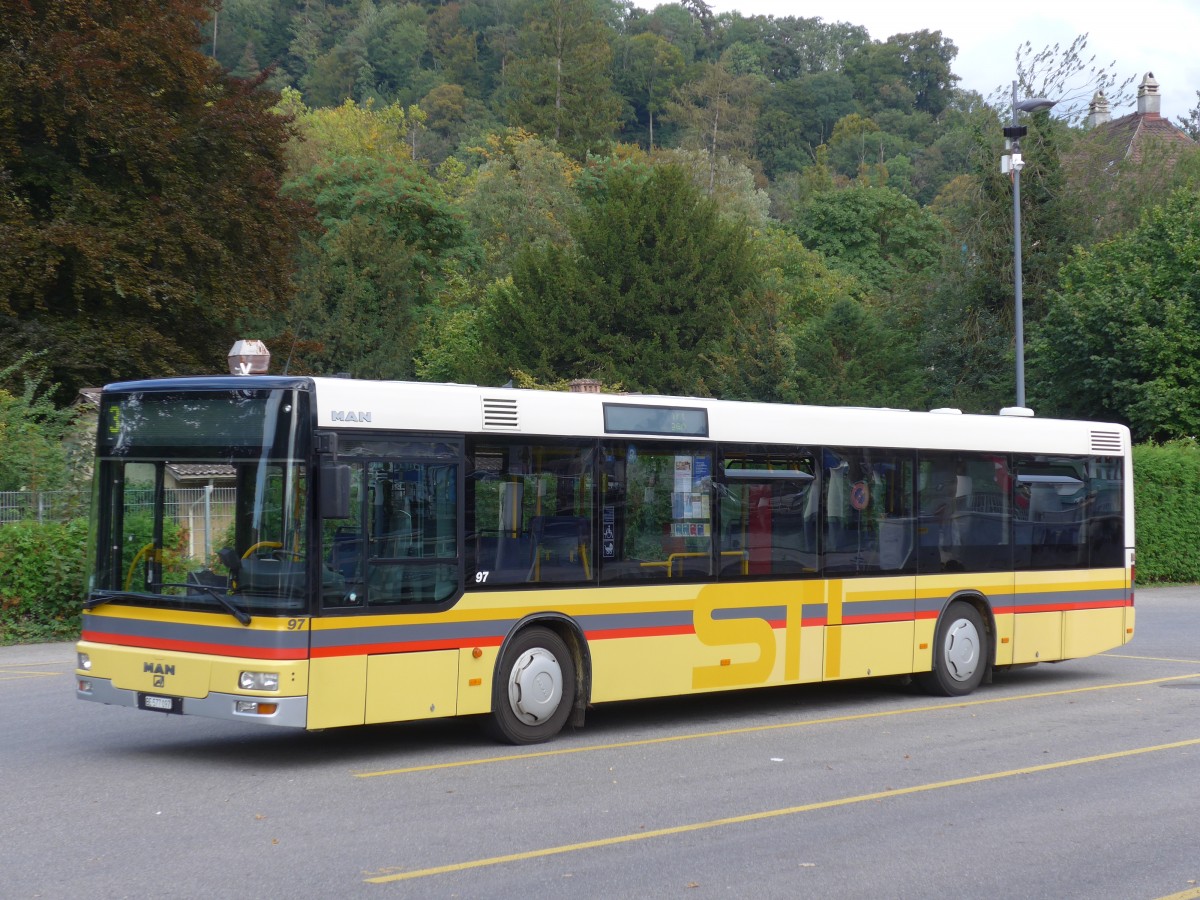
(500, 414)
(1106, 442)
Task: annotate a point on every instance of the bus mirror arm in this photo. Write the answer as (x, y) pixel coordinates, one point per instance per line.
(335, 491)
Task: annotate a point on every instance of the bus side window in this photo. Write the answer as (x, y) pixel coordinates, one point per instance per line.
(965, 516)
(869, 523)
(769, 512)
(657, 516)
(1053, 510)
(530, 514)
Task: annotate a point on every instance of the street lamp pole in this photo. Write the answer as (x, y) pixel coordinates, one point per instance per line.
(1015, 164)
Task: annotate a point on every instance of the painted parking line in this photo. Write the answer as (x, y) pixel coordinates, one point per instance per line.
(1189, 894)
(392, 874)
(1186, 662)
(776, 726)
(21, 674)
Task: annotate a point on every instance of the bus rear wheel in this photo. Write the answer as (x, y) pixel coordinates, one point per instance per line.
(534, 689)
(960, 652)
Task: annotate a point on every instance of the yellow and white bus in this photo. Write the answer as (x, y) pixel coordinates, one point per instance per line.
(400, 551)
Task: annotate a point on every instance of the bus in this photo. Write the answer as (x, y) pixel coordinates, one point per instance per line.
(391, 551)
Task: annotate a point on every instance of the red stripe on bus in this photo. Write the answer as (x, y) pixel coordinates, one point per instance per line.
(882, 617)
(609, 634)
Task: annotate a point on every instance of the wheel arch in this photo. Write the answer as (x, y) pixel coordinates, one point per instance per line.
(983, 606)
(572, 635)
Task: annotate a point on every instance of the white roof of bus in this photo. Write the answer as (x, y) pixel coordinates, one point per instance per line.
(424, 407)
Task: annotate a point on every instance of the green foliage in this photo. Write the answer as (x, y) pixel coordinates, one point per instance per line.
(558, 82)
(717, 113)
(874, 233)
(388, 240)
(1167, 502)
(522, 195)
(42, 580)
(139, 205)
(907, 71)
(32, 430)
(1122, 337)
(799, 116)
(651, 71)
(644, 297)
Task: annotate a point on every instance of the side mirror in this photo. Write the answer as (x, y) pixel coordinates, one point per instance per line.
(335, 491)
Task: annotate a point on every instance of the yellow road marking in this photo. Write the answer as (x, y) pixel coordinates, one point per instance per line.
(1190, 894)
(854, 717)
(772, 814)
(1190, 662)
(18, 674)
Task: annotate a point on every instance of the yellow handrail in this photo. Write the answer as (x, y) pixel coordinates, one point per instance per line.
(137, 557)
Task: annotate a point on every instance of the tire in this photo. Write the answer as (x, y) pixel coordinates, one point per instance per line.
(960, 653)
(534, 688)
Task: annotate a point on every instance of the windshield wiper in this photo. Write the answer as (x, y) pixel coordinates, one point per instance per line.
(236, 611)
(99, 598)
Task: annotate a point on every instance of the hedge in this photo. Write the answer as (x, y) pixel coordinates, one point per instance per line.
(42, 580)
(1166, 486)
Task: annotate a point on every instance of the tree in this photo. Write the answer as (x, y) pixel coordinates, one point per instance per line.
(1121, 339)
(645, 298)
(140, 219)
(653, 70)
(32, 455)
(1067, 75)
(559, 83)
(768, 349)
(799, 116)
(387, 241)
(907, 72)
(874, 233)
(717, 114)
(522, 195)
(1190, 123)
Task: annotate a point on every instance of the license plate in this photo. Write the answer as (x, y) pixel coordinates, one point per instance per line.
(160, 704)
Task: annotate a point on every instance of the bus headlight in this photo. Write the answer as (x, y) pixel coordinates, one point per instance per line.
(83, 661)
(259, 681)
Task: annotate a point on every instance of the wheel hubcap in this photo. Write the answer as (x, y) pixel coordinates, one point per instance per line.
(962, 650)
(535, 686)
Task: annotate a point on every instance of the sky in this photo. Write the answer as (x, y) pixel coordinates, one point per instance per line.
(1158, 36)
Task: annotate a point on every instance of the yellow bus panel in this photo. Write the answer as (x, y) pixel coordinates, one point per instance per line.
(1037, 637)
(1088, 631)
(412, 685)
(339, 692)
(868, 649)
(475, 679)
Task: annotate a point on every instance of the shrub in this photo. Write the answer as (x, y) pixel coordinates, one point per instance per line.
(1167, 505)
(42, 580)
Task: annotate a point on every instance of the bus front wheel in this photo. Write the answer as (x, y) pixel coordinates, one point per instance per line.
(534, 689)
(960, 652)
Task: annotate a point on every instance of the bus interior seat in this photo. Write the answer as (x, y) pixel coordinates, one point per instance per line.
(560, 548)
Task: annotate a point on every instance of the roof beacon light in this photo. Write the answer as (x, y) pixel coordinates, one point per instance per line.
(249, 358)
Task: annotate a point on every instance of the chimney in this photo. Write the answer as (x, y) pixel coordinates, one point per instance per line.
(1098, 110)
(1149, 101)
(585, 386)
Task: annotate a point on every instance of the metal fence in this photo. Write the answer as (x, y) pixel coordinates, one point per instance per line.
(42, 506)
(203, 513)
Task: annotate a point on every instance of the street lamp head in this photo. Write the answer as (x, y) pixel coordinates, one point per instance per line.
(1035, 104)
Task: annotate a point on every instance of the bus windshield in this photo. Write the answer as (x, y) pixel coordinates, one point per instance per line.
(201, 501)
